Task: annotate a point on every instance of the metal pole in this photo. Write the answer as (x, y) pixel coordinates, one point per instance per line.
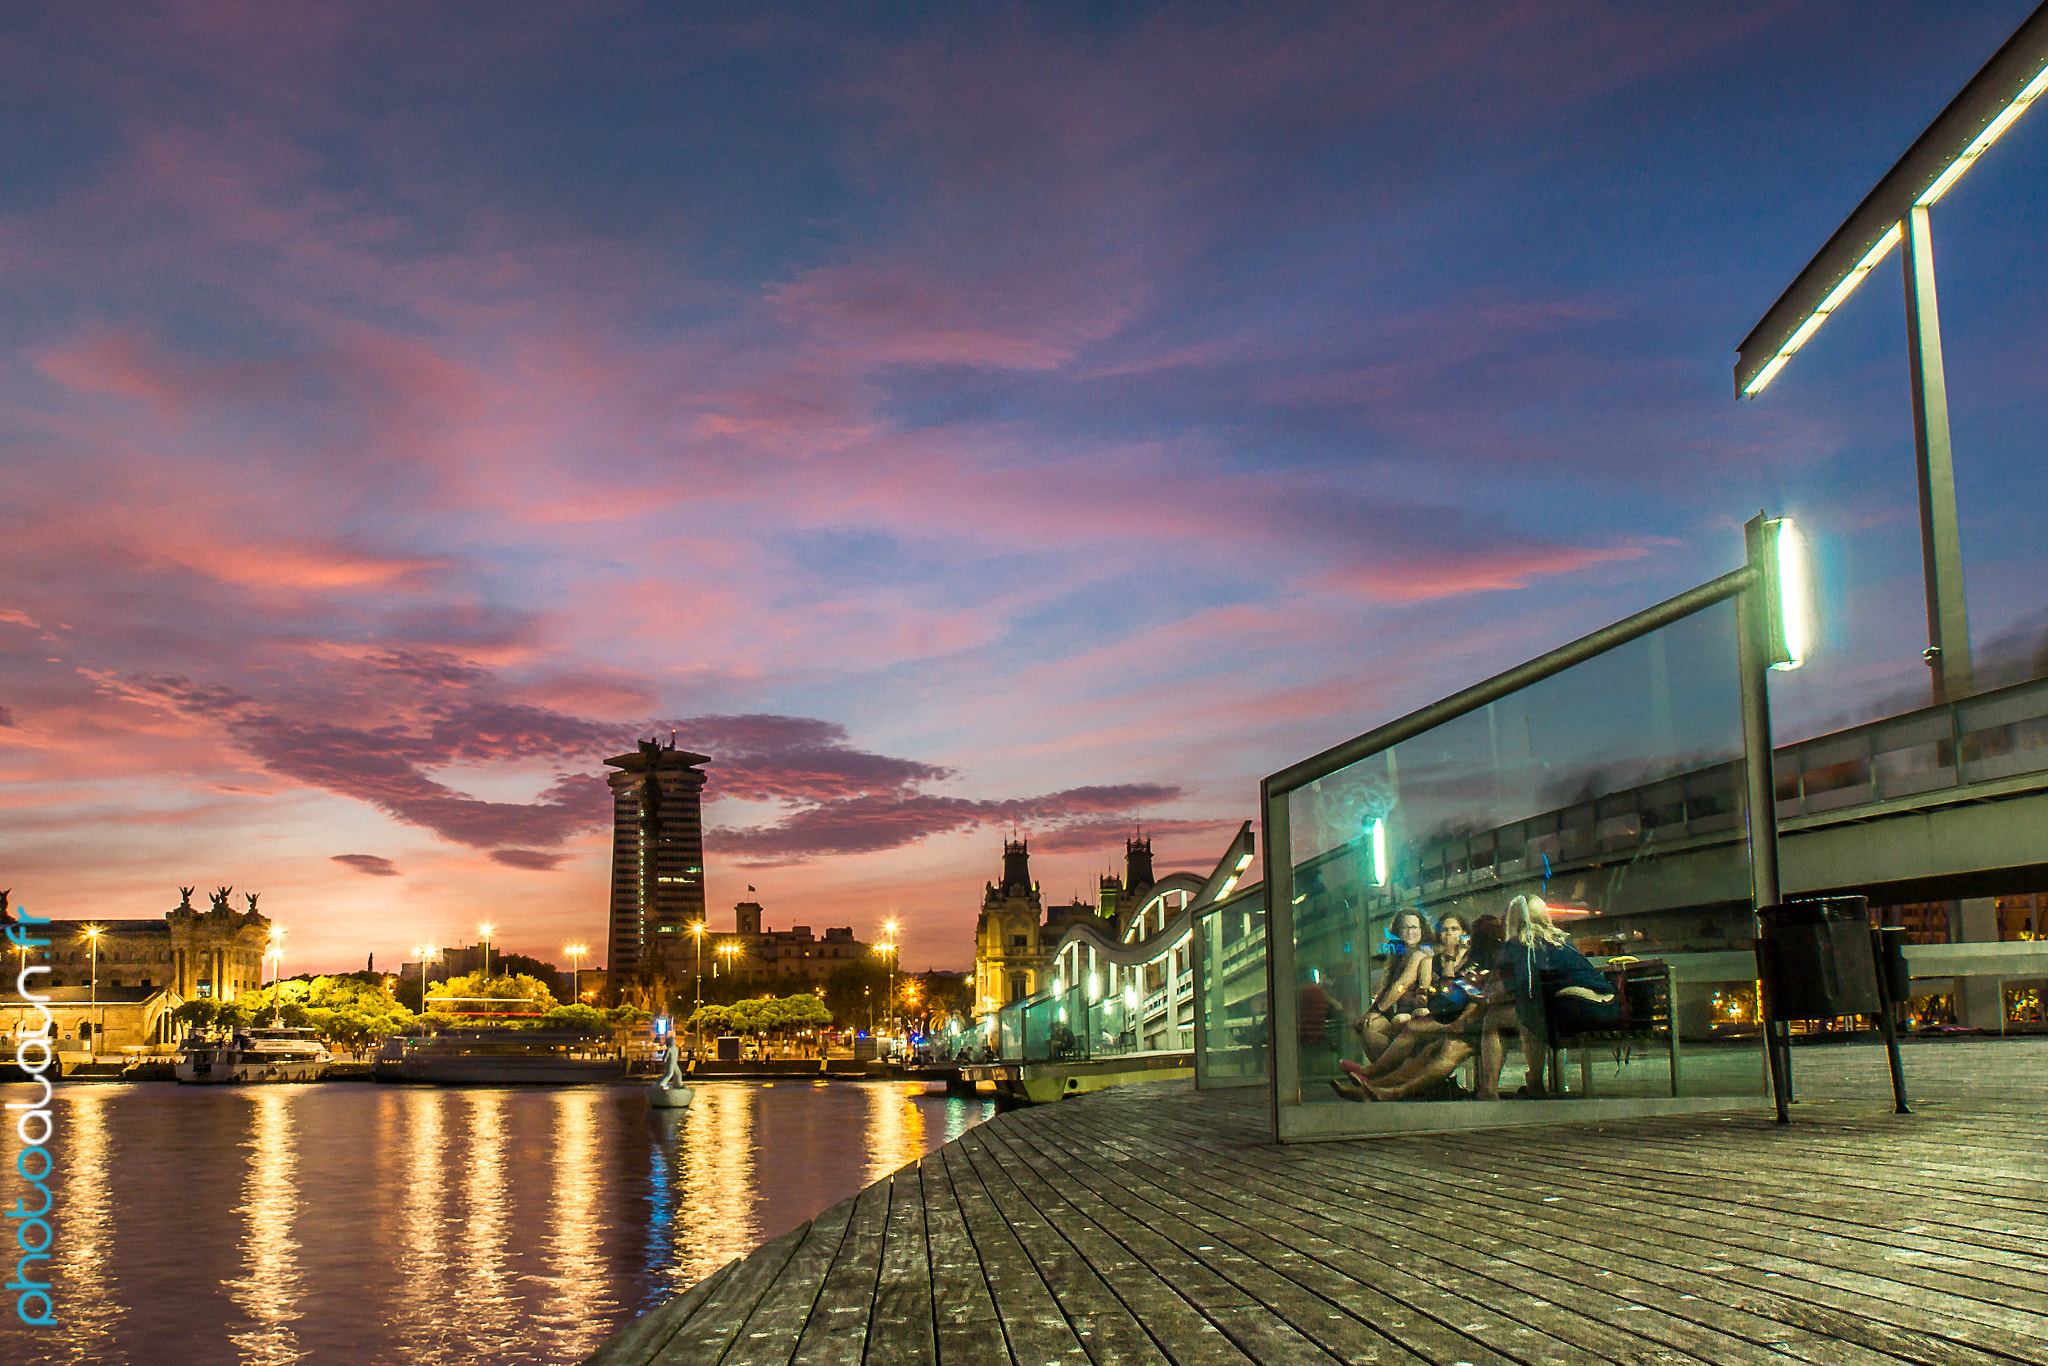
(1282, 1008)
(1886, 1015)
(1760, 785)
(1948, 618)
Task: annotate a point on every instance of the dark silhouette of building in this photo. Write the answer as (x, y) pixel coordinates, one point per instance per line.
(657, 864)
(1119, 898)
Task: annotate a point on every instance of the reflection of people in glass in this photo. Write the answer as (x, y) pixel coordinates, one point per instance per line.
(1430, 1047)
(1554, 988)
(1453, 958)
(1404, 983)
(1316, 1022)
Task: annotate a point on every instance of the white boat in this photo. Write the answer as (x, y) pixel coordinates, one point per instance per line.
(259, 1054)
(671, 1092)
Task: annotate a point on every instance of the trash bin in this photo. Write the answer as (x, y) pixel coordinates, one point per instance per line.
(1815, 959)
(1891, 955)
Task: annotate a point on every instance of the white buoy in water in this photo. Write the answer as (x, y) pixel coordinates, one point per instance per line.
(671, 1092)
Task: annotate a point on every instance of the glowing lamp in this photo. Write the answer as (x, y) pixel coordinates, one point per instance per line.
(1787, 609)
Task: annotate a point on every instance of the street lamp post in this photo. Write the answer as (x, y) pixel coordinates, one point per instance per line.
(92, 940)
(889, 928)
(276, 975)
(576, 952)
(697, 985)
(485, 932)
(1895, 212)
(426, 953)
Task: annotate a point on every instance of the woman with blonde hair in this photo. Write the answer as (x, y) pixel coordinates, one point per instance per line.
(1555, 989)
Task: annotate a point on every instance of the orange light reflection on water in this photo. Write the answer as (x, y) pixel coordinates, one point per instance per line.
(714, 1145)
(268, 1292)
(87, 1233)
(895, 1133)
(567, 1311)
(479, 1233)
(422, 1254)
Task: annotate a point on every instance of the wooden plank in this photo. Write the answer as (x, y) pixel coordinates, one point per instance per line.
(640, 1340)
(706, 1335)
(1118, 1307)
(1038, 1333)
(769, 1336)
(903, 1330)
(960, 1293)
(1152, 1222)
(838, 1327)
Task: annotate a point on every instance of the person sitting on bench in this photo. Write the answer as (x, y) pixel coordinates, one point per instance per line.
(1557, 992)
(1430, 1047)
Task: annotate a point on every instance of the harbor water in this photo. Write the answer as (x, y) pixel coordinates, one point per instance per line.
(353, 1223)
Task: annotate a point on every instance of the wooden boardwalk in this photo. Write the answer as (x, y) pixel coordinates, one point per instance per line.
(1153, 1223)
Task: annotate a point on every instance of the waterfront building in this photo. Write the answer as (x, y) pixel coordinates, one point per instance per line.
(108, 1021)
(657, 885)
(213, 954)
(1015, 934)
(145, 968)
(791, 959)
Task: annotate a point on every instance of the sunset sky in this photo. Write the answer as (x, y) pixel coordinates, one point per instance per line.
(943, 416)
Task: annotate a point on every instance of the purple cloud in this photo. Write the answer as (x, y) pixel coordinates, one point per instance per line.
(866, 824)
(439, 711)
(533, 860)
(372, 864)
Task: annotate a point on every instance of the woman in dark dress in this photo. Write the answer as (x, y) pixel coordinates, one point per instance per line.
(1555, 990)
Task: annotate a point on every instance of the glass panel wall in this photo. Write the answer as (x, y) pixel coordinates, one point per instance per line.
(1547, 896)
(1231, 993)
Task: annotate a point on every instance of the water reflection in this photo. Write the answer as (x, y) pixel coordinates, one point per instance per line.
(716, 1139)
(268, 1291)
(86, 1229)
(895, 1128)
(422, 1256)
(479, 1228)
(374, 1226)
(572, 1211)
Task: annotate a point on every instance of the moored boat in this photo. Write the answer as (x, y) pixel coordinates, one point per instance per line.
(553, 1057)
(254, 1055)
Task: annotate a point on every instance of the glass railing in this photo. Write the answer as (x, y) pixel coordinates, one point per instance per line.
(1231, 1043)
(1065, 1026)
(1547, 894)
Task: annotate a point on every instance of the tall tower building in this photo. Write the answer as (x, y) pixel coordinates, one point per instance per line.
(1011, 955)
(657, 860)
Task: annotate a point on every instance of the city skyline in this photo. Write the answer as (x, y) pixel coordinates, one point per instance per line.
(404, 414)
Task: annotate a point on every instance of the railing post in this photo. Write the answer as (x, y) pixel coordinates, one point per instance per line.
(1753, 663)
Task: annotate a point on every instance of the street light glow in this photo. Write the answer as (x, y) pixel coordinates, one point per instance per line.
(1793, 607)
(1989, 104)
(1826, 307)
(1991, 134)
(1379, 852)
